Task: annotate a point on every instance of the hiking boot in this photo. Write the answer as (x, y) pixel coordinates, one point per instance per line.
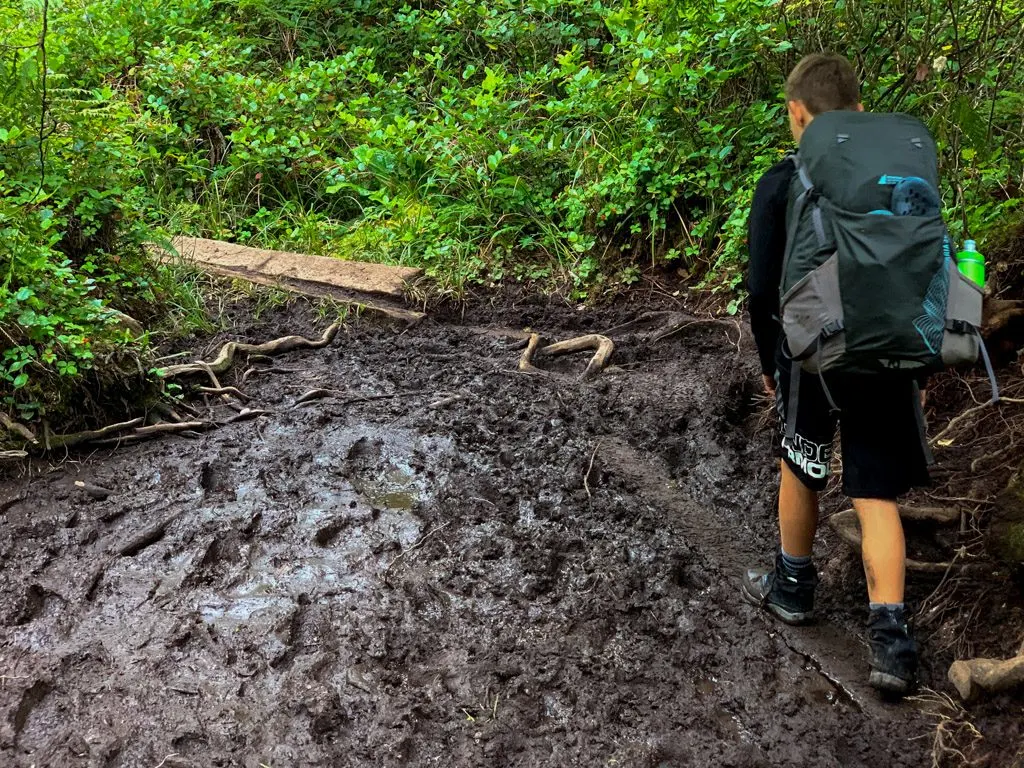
(893, 651)
(784, 591)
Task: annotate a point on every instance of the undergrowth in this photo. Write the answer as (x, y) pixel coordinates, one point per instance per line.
(571, 145)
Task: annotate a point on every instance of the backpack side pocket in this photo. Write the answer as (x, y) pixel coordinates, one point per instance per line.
(812, 317)
(960, 342)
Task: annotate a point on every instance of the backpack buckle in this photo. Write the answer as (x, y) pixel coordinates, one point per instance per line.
(830, 329)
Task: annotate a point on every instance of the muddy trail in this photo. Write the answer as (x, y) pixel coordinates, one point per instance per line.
(442, 561)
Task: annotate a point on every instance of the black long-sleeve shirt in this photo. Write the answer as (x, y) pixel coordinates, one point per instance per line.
(766, 238)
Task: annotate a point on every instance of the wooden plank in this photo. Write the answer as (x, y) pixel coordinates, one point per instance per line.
(355, 276)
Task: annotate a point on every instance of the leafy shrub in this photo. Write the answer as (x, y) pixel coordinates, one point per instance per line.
(571, 143)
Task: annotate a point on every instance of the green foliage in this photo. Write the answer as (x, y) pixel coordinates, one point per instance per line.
(571, 144)
(555, 142)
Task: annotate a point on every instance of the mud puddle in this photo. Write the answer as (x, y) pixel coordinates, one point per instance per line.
(481, 568)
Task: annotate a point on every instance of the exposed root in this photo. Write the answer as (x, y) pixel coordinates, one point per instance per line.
(947, 436)
(445, 401)
(660, 319)
(422, 540)
(677, 327)
(254, 371)
(89, 435)
(999, 313)
(974, 677)
(526, 359)
(144, 433)
(225, 392)
(167, 413)
(313, 394)
(13, 455)
(602, 345)
(17, 429)
(955, 734)
(226, 358)
(372, 398)
(845, 524)
(590, 468)
(939, 515)
(247, 414)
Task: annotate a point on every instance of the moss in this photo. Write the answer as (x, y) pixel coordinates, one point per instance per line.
(1006, 538)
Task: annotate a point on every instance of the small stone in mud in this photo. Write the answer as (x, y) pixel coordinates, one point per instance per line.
(97, 492)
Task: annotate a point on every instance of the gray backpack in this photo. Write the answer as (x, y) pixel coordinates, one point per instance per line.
(869, 279)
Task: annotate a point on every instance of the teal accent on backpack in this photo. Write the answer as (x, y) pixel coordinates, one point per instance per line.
(932, 324)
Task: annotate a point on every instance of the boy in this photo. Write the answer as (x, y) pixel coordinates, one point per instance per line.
(883, 456)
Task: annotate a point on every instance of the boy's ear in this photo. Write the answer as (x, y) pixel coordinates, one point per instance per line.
(860, 107)
(798, 113)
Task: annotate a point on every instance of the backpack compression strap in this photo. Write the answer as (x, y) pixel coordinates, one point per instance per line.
(809, 195)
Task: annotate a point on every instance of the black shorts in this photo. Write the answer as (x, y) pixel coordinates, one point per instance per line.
(882, 449)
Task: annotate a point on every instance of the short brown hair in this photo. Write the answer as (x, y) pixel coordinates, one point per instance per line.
(823, 82)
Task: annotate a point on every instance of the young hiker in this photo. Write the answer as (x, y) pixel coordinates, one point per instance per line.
(828, 191)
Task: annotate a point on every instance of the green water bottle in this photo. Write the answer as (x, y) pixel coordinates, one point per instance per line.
(971, 263)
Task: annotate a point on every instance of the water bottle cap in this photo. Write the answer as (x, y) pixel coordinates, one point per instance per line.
(970, 245)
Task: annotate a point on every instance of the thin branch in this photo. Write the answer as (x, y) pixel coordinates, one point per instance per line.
(44, 106)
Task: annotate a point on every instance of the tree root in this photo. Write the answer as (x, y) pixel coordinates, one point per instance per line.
(247, 414)
(845, 524)
(89, 435)
(226, 358)
(665, 323)
(648, 320)
(17, 429)
(225, 392)
(526, 359)
(313, 394)
(973, 677)
(946, 437)
(999, 314)
(602, 345)
(13, 455)
(144, 433)
(603, 348)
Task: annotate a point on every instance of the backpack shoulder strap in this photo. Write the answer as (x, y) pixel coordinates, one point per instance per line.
(809, 196)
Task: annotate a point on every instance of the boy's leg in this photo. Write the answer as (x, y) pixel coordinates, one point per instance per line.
(883, 549)
(798, 514)
(882, 459)
(787, 589)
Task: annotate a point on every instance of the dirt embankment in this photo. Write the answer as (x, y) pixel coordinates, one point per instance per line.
(484, 568)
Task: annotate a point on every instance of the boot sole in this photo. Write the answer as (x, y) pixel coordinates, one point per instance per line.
(887, 683)
(793, 618)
